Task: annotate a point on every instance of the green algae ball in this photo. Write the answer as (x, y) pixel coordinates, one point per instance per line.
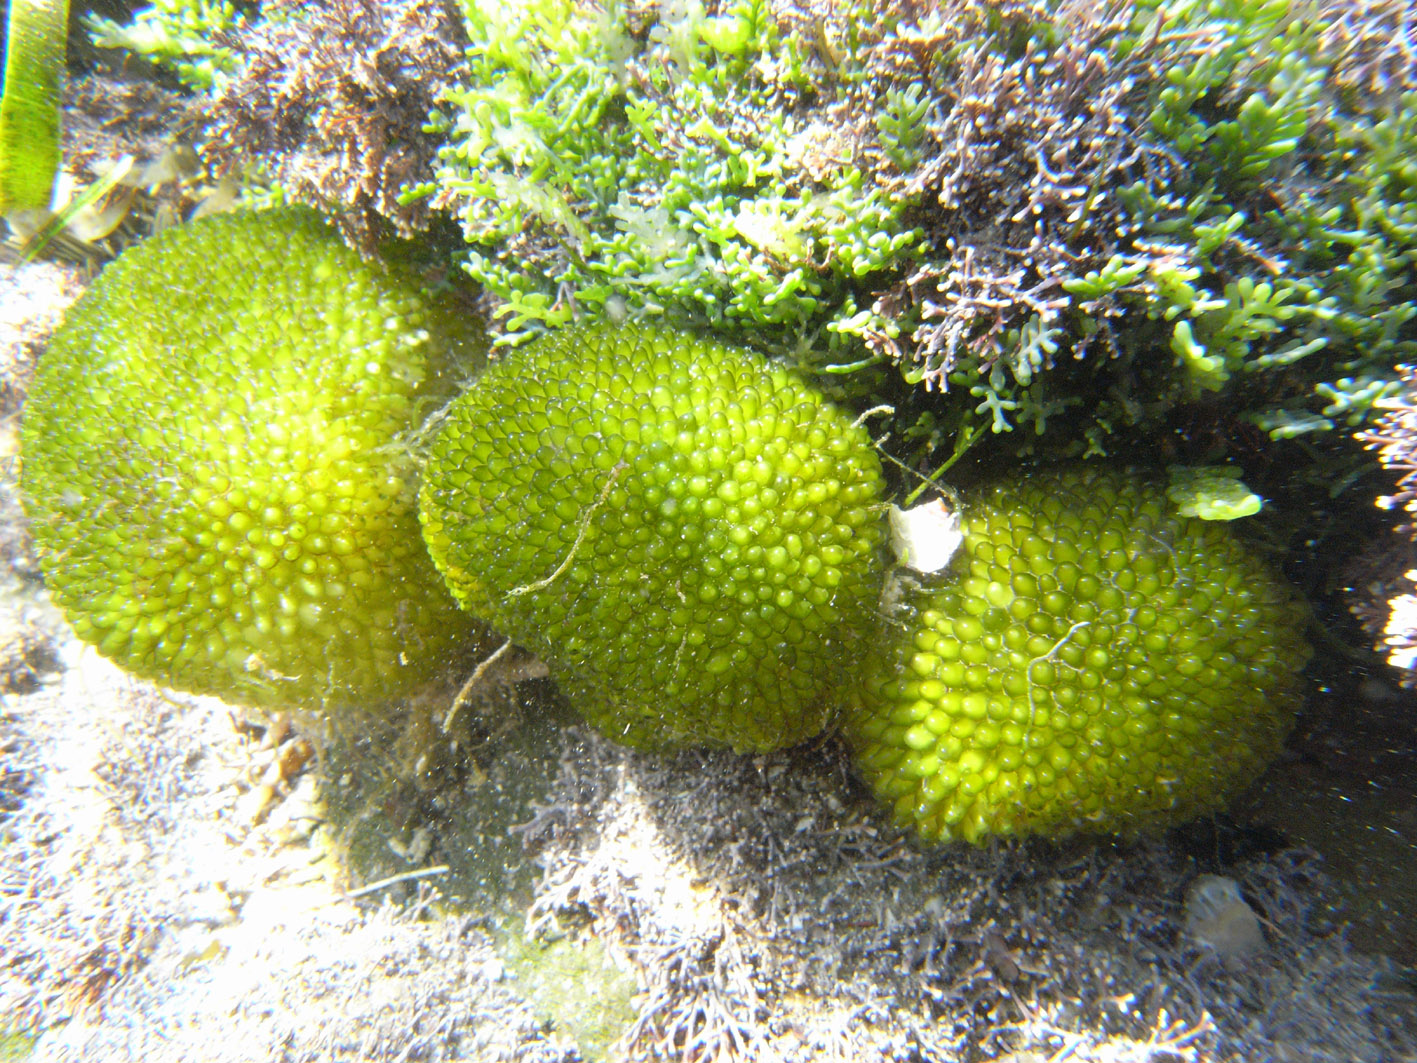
(1090, 661)
(688, 535)
(217, 467)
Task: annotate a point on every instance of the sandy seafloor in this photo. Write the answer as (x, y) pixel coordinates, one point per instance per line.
(183, 880)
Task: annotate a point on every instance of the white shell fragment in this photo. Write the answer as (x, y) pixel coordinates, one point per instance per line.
(926, 537)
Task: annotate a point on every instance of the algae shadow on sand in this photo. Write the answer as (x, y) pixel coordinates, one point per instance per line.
(422, 797)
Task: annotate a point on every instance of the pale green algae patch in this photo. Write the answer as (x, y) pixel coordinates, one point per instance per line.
(15, 1047)
(396, 805)
(572, 982)
(1211, 492)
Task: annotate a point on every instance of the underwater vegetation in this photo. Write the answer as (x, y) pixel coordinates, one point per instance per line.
(181, 34)
(687, 534)
(1057, 232)
(327, 105)
(1065, 227)
(1091, 657)
(221, 475)
(35, 34)
(1380, 579)
(1027, 228)
(219, 470)
(1050, 231)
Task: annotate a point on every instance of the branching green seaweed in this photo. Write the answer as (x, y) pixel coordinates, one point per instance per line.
(1079, 219)
(598, 159)
(180, 34)
(1092, 220)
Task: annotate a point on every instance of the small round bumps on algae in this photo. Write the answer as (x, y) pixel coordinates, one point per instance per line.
(690, 536)
(1090, 660)
(216, 467)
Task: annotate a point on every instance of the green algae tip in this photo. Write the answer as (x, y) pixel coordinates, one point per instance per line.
(1210, 492)
(690, 536)
(218, 467)
(1089, 661)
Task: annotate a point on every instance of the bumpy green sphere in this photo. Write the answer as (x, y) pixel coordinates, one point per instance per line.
(1091, 660)
(217, 470)
(689, 535)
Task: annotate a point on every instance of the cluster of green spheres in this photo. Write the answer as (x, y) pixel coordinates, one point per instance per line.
(689, 535)
(227, 468)
(217, 471)
(1091, 660)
